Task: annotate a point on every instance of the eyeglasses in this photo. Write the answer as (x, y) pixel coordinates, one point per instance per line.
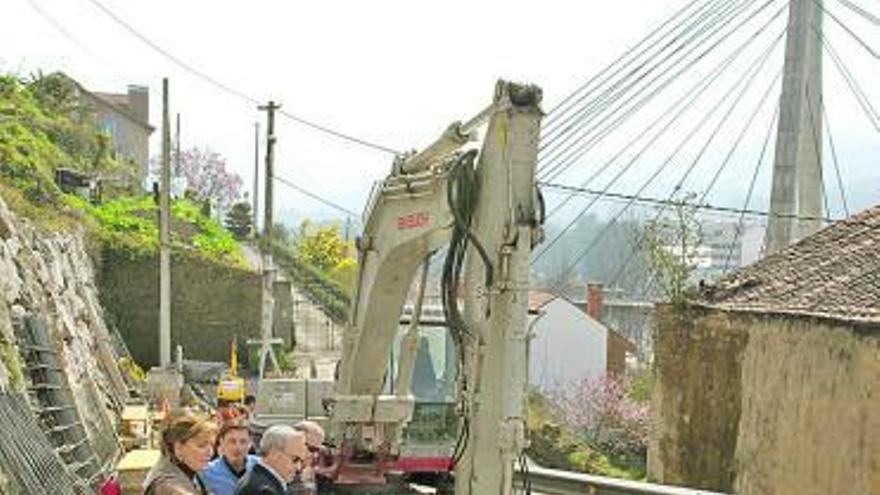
(293, 457)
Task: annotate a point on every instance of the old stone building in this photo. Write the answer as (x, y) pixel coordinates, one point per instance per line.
(769, 381)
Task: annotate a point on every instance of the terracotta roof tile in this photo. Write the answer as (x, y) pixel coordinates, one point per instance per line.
(832, 273)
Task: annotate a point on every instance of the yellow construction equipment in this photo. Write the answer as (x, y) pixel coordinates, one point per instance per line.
(231, 388)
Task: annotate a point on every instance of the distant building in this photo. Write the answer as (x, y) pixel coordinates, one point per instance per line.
(126, 118)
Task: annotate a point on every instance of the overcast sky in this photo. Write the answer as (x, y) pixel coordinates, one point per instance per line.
(391, 72)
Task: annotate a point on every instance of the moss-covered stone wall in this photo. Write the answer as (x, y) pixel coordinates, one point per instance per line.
(210, 303)
(766, 404)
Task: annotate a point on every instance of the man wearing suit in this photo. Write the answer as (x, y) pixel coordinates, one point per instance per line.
(283, 450)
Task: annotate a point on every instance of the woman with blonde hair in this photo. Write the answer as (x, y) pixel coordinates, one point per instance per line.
(187, 447)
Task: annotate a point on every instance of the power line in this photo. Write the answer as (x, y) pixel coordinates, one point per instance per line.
(666, 202)
(314, 196)
(229, 89)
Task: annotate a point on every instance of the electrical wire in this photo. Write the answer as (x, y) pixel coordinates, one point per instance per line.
(698, 206)
(316, 197)
(229, 89)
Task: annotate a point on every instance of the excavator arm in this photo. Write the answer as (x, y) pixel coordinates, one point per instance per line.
(484, 207)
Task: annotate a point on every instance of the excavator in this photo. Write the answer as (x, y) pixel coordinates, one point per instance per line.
(477, 200)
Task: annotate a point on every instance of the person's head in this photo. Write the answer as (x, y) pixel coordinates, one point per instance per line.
(284, 450)
(189, 440)
(314, 435)
(250, 402)
(234, 442)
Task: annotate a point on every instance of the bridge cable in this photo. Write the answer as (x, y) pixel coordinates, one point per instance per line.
(851, 82)
(551, 127)
(680, 184)
(817, 146)
(745, 81)
(584, 252)
(834, 158)
(861, 11)
(695, 92)
(742, 215)
(578, 153)
(740, 137)
(550, 157)
(558, 111)
(848, 30)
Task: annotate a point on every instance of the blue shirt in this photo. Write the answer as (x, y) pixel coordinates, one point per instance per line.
(221, 479)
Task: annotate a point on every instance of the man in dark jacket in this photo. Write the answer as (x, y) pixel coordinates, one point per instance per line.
(283, 450)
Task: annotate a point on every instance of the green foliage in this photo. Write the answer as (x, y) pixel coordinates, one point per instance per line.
(322, 247)
(239, 220)
(671, 242)
(42, 129)
(11, 360)
(130, 224)
(319, 287)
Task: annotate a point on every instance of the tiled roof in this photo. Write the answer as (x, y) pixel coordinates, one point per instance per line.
(833, 273)
(539, 299)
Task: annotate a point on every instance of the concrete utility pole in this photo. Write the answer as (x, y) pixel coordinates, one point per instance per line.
(268, 268)
(796, 197)
(165, 236)
(256, 228)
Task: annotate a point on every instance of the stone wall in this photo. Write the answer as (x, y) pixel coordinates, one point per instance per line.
(48, 276)
(210, 304)
(766, 404)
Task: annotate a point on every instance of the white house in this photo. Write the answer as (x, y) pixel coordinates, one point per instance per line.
(568, 344)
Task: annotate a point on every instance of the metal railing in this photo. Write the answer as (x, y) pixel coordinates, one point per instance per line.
(554, 482)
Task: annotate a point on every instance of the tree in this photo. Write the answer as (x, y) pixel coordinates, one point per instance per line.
(239, 220)
(207, 177)
(322, 247)
(671, 243)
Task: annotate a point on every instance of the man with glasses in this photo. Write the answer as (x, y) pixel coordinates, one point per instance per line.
(283, 451)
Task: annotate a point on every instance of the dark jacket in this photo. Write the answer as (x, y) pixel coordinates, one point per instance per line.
(259, 481)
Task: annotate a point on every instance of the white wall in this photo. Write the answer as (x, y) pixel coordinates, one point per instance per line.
(567, 345)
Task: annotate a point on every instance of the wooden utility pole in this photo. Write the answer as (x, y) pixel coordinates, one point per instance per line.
(266, 242)
(256, 228)
(165, 236)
